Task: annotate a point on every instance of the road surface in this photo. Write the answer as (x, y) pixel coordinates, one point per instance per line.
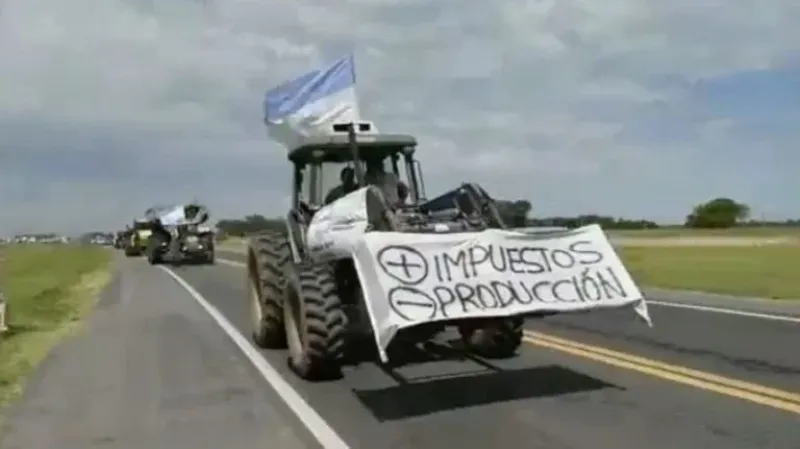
(151, 370)
(698, 379)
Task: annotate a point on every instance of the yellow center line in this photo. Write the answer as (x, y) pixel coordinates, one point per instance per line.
(770, 397)
(755, 388)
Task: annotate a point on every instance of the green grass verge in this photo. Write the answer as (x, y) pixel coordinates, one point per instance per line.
(686, 232)
(49, 288)
(761, 271)
(233, 244)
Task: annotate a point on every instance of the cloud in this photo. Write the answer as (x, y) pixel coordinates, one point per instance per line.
(624, 106)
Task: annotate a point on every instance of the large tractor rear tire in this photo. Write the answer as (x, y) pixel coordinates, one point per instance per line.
(316, 324)
(267, 256)
(495, 338)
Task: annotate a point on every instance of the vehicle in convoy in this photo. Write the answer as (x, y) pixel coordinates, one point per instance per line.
(102, 239)
(138, 235)
(381, 261)
(178, 235)
(119, 239)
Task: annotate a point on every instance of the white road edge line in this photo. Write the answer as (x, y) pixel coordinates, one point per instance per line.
(744, 313)
(763, 316)
(312, 420)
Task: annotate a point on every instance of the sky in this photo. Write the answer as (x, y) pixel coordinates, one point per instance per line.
(635, 108)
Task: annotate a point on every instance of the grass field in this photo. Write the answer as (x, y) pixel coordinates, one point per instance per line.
(761, 271)
(759, 262)
(49, 288)
(685, 232)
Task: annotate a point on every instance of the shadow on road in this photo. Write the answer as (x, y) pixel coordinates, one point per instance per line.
(424, 396)
(418, 399)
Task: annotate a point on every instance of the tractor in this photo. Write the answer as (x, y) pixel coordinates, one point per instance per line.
(137, 237)
(314, 306)
(178, 235)
(119, 239)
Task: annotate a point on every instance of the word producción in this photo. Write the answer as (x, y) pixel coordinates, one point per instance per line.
(442, 284)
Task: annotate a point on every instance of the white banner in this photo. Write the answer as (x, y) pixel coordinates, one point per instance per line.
(338, 227)
(410, 279)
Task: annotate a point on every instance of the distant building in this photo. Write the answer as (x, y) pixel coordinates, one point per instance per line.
(39, 238)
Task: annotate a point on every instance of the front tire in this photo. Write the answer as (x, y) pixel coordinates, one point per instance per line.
(267, 257)
(210, 254)
(154, 248)
(316, 324)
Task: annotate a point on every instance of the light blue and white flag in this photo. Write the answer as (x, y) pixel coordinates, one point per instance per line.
(310, 104)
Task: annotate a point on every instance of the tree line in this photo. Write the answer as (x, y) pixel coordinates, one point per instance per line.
(718, 213)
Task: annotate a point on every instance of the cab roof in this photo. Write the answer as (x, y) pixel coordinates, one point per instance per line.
(336, 148)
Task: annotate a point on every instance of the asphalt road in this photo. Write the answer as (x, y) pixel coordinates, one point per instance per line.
(151, 370)
(580, 382)
(561, 393)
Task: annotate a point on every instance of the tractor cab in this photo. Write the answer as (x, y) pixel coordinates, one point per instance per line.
(142, 224)
(322, 164)
(141, 231)
(137, 236)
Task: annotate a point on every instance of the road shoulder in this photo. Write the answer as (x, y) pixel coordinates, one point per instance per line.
(151, 369)
(718, 301)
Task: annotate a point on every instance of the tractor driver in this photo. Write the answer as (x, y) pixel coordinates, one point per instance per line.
(402, 191)
(386, 181)
(348, 178)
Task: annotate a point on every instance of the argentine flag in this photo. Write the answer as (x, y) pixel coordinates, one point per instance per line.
(310, 104)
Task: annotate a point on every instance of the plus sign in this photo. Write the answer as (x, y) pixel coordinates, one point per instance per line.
(404, 264)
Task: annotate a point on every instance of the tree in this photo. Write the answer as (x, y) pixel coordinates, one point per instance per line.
(249, 225)
(718, 213)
